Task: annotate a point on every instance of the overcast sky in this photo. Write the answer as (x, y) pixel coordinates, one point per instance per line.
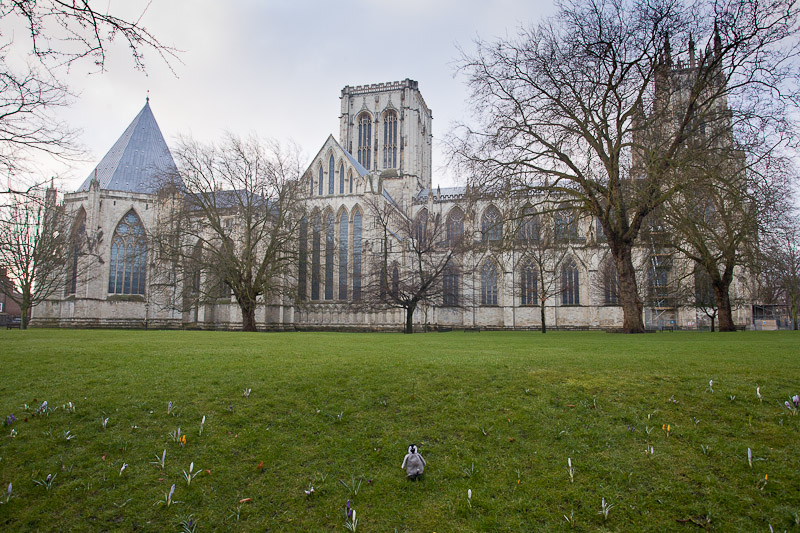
(276, 68)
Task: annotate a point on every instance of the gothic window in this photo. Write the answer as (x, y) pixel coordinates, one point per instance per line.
(321, 180)
(395, 282)
(350, 176)
(364, 139)
(76, 243)
(330, 175)
(529, 226)
(491, 225)
(703, 289)
(450, 285)
(528, 284)
(421, 229)
(489, 284)
(566, 227)
(599, 231)
(329, 252)
(194, 269)
(390, 140)
(302, 269)
(128, 257)
(570, 283)
(315, 256)
(343, 229)
(454, 228)
(610, 282)
(341, 178)
(357, 256)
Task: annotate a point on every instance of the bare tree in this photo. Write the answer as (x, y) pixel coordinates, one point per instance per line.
(782, 256)
(59, 34)
(590, 104)
(543, 241)
(34, 244)
(229, 223)
(415, 252)
(718, 216)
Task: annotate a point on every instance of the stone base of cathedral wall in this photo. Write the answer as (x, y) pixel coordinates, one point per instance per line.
(132, 314)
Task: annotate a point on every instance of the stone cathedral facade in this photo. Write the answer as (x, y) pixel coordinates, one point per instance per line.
(382, 157)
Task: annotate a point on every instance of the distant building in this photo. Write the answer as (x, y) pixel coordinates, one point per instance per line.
(383, 154)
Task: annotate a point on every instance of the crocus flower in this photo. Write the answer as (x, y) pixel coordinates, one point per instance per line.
(796, 400)
(711, 385)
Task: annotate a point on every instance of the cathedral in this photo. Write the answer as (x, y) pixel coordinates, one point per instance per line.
(381, 159)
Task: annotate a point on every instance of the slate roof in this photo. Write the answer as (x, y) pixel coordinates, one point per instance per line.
(139, 159)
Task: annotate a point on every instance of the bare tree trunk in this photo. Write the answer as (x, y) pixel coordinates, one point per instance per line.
(248, 315)
(410, 318)
(24, 307)
(794, 312)
(628, 292)
(712, 323)
(723, 300)
(544, 325)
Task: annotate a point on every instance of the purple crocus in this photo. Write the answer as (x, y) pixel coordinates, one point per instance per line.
(796, 400)
(788, 405)
(10, 419)
(349, 510)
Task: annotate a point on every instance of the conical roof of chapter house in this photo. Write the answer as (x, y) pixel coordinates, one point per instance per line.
(138, 162)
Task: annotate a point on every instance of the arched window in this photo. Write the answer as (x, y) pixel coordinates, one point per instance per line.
(528, 284)
(489, 284)
(450, 285)
(610, 282)
(128, 257)
(329, 254)
(491, 225)
(341, 178)
(703, 289)
(194, 269)
(364, 139)
(454, 228)
(421, 230)
(310, 184)
(315, 256)
(566, 226)
(330, 175)
(343, 230)
(390, 140)
(321, 179)
(76, 241)
(570, 294)
(302, 268)
(357, 256)
(529, 226)
(395, 282)
(350, 176)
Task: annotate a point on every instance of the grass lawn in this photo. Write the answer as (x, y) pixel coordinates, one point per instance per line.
(496, 413)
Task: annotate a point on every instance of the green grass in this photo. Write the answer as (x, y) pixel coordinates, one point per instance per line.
(346, 406)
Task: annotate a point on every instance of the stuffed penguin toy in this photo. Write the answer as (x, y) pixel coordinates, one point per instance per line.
(413, 463)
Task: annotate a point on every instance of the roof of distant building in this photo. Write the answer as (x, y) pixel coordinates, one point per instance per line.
(441, 194)
(138, 161)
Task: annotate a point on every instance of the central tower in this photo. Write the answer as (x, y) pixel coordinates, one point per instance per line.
(387, 128)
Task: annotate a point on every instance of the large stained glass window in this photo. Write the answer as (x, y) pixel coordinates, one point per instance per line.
(128, 268)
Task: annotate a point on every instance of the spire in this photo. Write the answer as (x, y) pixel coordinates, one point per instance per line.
(717, 41)
(138, 162)
(691, 51)
(667, 51)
